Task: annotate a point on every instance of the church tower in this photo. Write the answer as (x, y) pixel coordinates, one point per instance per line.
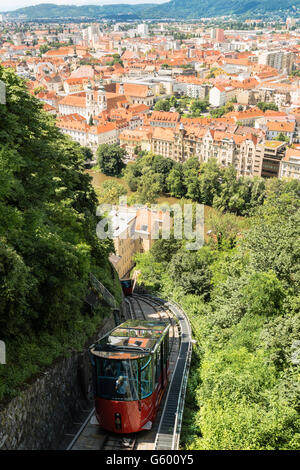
(89, 102)
(102, 104)
(121, 89)
(75, 62)
(89, 95)
(119, 49)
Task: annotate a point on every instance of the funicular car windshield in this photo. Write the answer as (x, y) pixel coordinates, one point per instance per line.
(124, 361)
(117, 379)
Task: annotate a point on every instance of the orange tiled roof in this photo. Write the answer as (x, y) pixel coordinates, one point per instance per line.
(62, 51)
(48, 107)
(131, 89)
(249, 113)
(291, 153)
(135, 135)
(76, 80)
(74, 100)
(280, 126)
(160, 133)
(165, 116)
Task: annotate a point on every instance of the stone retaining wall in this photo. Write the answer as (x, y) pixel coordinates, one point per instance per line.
(39, 416)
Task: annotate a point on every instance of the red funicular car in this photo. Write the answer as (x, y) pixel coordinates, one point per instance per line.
(130, 369)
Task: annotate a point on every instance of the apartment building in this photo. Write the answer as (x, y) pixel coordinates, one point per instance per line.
(139, 94)
(275, 128)
(290, 164)
(228, 148)
(198, 90)
(219, 95)
(75, 85)
(134, 230)
(280, 60)
(164, 119)
(268, 157)
(131, 140)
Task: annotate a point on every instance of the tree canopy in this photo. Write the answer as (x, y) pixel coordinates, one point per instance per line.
(48, 241)
(207, 183)
(110, 159)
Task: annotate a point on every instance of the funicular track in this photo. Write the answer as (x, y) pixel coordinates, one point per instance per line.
(166, 429)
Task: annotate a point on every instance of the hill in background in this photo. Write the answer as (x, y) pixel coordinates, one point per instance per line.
(178, 9)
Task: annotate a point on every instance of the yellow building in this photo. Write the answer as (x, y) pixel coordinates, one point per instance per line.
(134, 230)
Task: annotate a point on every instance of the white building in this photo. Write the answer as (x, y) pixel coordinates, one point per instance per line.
(86, 104)
(290, 164)
(88, 136)
(217, 96)
(275, 128)
(143, 29)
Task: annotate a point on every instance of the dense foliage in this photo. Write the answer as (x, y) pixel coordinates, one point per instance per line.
(243, 302)
(110, 159)
(264, 106)
(110, 192)
(48, 242)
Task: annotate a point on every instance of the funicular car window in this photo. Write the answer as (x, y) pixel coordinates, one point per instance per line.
(166, 341)
(158, 366)
(117, 379)
(146, 376)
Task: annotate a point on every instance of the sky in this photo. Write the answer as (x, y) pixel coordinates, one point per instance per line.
(14, 4)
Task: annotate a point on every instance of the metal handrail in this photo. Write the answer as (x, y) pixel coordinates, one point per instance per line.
(182, 393)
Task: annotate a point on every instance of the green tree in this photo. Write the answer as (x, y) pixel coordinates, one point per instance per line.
(282, 137)
(110, 159)
(162, 105)
(264, 294)
(47, 220)
(264, 106)
(234, 194)
(44, 48)
(209, 181)
(162, 166)
(199, 106)
(175, 184)
(132, 174)
(190, 271)
(149, 187)
(110, 192)
(87, 153)
(224, 227)
(163, 250)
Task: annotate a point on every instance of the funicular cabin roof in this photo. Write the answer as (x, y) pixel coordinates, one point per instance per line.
(133, 339)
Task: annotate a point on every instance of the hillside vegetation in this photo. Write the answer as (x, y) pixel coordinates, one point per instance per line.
(48, 242)
(206, 182)
(241, 293)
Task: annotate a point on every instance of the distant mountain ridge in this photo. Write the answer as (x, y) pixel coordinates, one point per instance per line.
(178, 9)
